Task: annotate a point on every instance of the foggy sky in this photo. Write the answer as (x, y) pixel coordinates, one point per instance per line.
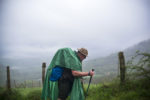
(37, 28)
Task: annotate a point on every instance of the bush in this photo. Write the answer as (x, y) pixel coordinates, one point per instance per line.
(11, 95)
(139, 66)
(144, 93)
(34, 95)
(132, 95)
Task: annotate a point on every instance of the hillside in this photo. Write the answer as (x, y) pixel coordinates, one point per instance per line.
(106, 66)
(109, 65)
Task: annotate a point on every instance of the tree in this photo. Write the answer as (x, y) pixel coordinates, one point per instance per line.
(139, 65)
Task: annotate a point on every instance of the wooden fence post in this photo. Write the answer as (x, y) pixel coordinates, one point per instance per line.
(122, 67)
(43, 72)
(39, 83)
(8, 78)
(15, 83)
(25, 85)
(32, 83)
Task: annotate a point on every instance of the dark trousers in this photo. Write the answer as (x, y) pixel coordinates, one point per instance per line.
(65, 84)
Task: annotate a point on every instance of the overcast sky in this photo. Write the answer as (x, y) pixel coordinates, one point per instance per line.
(37, 28)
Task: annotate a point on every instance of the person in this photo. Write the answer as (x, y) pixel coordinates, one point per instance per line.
(63, 75)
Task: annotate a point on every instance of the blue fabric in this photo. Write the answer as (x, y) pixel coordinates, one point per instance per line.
(56, 73)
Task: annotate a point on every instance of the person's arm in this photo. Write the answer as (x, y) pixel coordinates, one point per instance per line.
(78, 73)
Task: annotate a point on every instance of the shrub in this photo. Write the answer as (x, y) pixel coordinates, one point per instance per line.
(34, 95)
(132, 95)
(11, 95)
(139, 66)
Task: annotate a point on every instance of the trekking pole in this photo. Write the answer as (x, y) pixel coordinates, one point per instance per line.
(88, 85)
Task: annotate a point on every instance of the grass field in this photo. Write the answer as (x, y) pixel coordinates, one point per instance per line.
(135, 90)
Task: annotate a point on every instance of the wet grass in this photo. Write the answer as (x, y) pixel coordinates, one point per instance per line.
(135, 90)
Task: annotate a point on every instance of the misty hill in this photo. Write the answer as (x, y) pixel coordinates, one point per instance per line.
(31, 69)
(109, 65)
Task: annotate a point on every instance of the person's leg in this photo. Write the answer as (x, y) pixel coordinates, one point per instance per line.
(64, 89)
(65, 84)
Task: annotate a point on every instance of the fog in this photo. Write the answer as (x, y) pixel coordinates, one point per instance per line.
(35, 29)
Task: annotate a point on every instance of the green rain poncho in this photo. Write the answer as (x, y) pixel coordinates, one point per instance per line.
(64, 57)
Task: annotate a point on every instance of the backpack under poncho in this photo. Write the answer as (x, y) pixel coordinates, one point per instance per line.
(64, 57)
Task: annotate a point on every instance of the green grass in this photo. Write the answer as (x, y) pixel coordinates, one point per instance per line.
(26, 91)
(21, 94)
(12, 94)
(132, 90)
(135, 90)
